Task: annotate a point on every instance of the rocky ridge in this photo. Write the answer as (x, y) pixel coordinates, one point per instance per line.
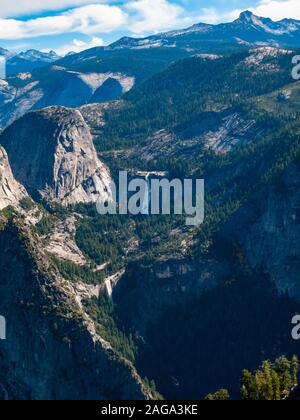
(38, 303)
(248, 30)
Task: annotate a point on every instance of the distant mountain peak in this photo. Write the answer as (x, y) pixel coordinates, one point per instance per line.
(250, 22)
(35, 55)
(5, 53)
(246, 16)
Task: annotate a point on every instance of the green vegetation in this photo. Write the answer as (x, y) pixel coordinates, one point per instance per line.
(45, 226)
(103, 313)
(56, 209)
(182, 92)
(272, 382)
(222, 395)
(117, 240)
(27, 203)
(77, 273)
(290, 106)
(152, 387)
(104, 239)
(8, 212)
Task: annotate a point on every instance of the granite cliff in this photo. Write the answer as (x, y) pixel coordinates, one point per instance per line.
(11, 192)
(52, 154)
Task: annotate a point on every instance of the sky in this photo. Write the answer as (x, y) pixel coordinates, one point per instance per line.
(75, 25)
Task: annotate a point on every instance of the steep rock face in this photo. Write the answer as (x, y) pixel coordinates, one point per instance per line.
(16, 101)
(267, 230)
(144, 294)
(61, 243)
(57, 86)
(11, 192)
(110, 90)
(73, 89)
(220, 132)
(52, 350)
(52, 153)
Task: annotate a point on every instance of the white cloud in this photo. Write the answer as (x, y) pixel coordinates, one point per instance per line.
(154, 16)
(140, 17)
(278, 9)
(90, 19)
(211, 15)
(28, 7)
(78, 45)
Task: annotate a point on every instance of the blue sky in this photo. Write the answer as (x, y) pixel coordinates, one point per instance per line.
(75, 25)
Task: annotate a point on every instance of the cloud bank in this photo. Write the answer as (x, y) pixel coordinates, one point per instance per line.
(29, 7)
(78, 45)
(134, 16)
(276, 9)
(89, 19)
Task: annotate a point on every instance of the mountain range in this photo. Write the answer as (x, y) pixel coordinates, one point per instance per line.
(105, 73)
(26, 61)
(248, 30)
